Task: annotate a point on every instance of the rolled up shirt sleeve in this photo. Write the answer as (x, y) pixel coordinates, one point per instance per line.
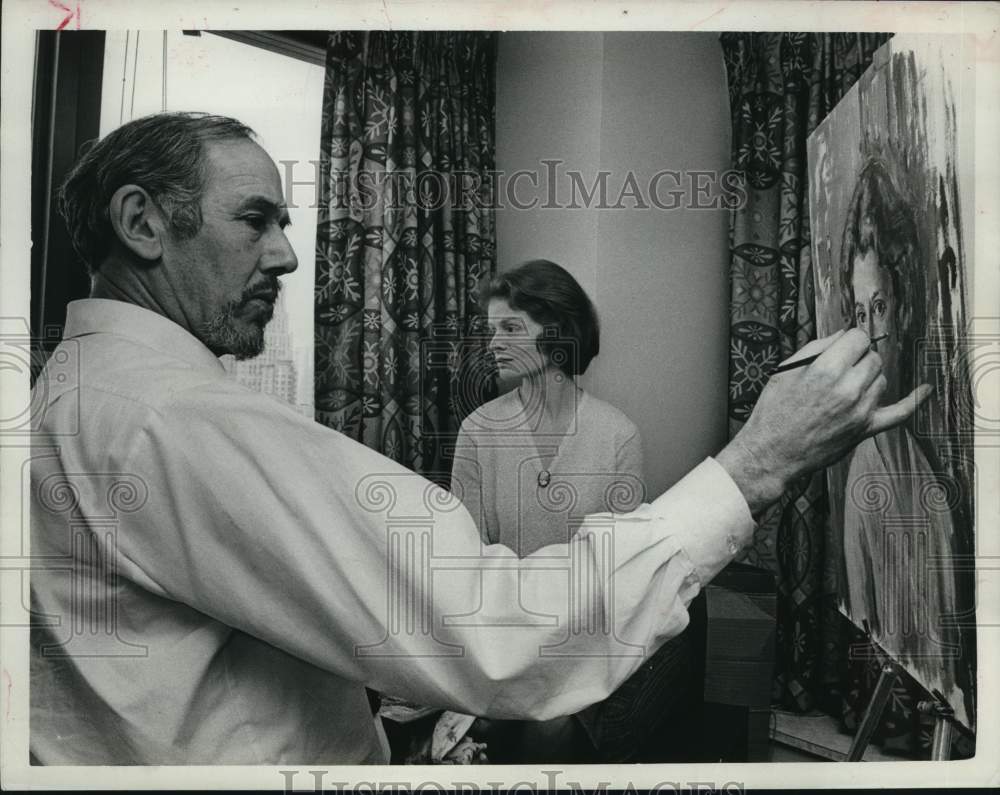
(724, 525)
(297, 535)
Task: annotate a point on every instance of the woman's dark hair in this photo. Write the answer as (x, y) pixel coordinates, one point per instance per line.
(571, 335)
(880, 219)
(162, 153)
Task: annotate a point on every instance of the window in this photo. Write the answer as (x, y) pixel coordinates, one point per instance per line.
(280, 97)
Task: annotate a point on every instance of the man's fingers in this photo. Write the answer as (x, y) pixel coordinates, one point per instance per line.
(814, 347)
(845, 351)
(864, 374)
(889, 416)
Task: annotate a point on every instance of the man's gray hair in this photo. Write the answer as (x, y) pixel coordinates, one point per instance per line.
(162, 153)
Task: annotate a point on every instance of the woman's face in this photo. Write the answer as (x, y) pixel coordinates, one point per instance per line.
(512, 340)
(875, 311)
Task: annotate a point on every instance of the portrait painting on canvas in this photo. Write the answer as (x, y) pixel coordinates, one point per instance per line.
(891, 248)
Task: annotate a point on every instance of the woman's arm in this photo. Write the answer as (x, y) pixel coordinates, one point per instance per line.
(629, 467)
(467, 479)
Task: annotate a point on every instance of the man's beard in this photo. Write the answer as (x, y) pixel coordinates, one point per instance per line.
(228, 333)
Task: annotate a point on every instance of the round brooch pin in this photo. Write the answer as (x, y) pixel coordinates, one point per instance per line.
(543, 478)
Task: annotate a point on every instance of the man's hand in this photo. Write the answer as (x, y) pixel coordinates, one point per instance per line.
(807, 418)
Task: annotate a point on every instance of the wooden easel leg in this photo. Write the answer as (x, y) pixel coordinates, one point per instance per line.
(941, 740)
(941, 744)
(873, 714)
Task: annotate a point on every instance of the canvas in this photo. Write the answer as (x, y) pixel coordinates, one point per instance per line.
(890, 214)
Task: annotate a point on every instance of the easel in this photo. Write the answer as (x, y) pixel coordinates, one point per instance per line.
(939, 709)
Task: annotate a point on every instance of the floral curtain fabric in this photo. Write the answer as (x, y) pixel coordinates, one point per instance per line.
(781, 85)
(404, 239)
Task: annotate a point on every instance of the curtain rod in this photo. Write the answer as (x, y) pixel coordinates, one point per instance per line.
(276, 42)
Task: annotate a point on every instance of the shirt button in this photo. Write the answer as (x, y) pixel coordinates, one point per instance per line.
(734, 545)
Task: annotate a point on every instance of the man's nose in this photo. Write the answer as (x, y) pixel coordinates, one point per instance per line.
(280, 256)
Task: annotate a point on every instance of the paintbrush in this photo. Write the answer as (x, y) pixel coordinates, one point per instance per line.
(810, 359)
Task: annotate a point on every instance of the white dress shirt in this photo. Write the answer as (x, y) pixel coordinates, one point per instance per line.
(227, 575)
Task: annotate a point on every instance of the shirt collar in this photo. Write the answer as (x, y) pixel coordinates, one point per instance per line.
(106, 316)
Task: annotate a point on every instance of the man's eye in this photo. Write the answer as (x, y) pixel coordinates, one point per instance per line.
(257, 222)
(878, 307)
(860, 314)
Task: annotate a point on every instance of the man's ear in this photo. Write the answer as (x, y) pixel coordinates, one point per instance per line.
(138, 222)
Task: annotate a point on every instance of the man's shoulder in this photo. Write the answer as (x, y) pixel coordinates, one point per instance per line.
(119, 377)
(150, 377)
(121, 410)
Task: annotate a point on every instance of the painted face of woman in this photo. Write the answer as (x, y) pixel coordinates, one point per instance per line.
(513, 335)
(875, 313)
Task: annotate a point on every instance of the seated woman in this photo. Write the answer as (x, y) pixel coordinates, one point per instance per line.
(528, 465)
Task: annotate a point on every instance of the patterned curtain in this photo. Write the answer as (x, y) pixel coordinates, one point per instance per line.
(405, 236)
(781, 85)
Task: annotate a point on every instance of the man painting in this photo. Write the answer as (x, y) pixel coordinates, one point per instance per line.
(243, 592)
